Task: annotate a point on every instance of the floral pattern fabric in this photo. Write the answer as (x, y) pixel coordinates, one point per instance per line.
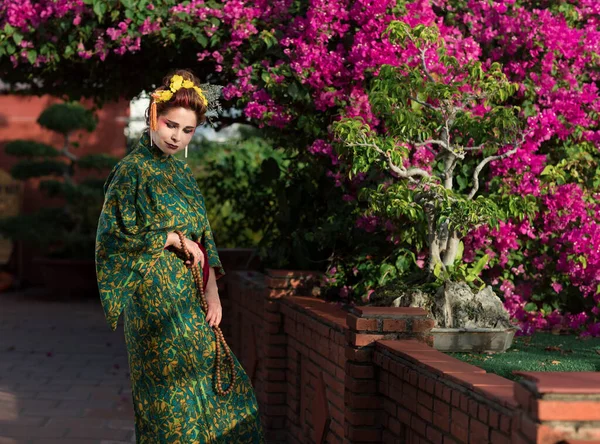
(171, 348)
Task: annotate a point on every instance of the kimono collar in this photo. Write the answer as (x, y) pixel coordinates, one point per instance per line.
(157, 154)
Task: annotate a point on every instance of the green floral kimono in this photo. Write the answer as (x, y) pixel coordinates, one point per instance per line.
(171, 347)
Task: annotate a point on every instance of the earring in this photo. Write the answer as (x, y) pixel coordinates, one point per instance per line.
(186, 151)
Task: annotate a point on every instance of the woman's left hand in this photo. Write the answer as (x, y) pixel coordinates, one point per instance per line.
(215, 312)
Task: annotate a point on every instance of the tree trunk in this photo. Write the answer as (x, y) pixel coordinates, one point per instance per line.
(452, 249)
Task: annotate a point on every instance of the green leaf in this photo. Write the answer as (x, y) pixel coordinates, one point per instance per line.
(99, 8)
(481, 263)
(17, 37)
(530, 307)
(32, 56)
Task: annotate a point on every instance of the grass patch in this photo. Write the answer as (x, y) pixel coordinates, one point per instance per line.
(542, 352)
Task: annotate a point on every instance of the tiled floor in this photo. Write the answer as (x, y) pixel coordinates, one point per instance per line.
(63, 373)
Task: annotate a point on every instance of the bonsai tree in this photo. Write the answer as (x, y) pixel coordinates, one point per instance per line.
(442, 122)
(67, 231)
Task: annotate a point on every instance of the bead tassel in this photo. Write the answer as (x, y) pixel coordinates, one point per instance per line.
(220, 339)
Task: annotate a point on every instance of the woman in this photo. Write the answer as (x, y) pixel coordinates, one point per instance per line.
(153, 214)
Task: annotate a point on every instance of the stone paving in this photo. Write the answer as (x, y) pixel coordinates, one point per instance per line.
(63, 373)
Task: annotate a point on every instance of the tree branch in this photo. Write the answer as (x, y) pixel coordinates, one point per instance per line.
(427, 73)
(400, 171)
(483, 163)
(428, 105)
(472, 148)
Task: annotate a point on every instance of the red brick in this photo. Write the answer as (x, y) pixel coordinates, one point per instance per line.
(389, 438)
(483, 414)
(361, 417)
(458, 432)
(395, 325)
(360, 371)
(523, 397)
(494, 420)
(505, 423)
(362, 401)
(395, 426)
(418, 425)
(441, 408)
(499, 438)
(434, 435)
(359, 354)
(404, 415)
(413, 378)
(390, 407)
(364, 434)
(473, 408)
(425, 399)
(450, 440)
(361, 385)
(441, 421)
(361, 324)
(479, 432)
(430, 386)
(566, 410)
(464, 403)
(460, 418)
(456, 398)
(422, 325)
(425, 413)
(362, 340)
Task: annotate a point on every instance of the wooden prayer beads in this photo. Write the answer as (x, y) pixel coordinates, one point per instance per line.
(221, 345)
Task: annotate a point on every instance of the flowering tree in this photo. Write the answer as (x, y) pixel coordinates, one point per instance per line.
(297, 66)
(450, 121)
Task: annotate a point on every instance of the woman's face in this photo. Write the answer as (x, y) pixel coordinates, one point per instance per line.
(176, 127)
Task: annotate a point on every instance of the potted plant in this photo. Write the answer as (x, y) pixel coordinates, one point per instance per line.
(65, 235)
(442, 122)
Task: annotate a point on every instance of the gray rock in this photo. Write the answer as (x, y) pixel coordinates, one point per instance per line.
(457, 306)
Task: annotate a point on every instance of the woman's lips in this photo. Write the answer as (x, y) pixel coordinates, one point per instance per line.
(173, 147)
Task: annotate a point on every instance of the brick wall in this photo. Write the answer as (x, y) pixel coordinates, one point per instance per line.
(324, 373)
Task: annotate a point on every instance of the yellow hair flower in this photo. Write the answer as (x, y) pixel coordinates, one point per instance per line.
(162, 96)
(201, 94)
(188, 84)
(176, 82)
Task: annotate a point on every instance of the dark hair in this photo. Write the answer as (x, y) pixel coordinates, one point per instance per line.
(184, 97)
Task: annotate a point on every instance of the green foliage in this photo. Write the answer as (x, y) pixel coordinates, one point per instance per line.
(27, 169)
(429, 203)
(236, 179)
(64, 118)
(70, 230)
(97, 161)
(30, 148)
(257, 197)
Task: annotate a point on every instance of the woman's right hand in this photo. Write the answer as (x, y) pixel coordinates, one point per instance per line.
(192, 247)
(196, 252)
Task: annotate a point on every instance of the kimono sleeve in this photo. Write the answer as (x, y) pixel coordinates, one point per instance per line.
(208, 242)
(127, 245)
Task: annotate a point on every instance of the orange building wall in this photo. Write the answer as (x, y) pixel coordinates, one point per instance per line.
(18, 120)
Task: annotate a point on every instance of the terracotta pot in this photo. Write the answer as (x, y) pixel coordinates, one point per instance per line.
(66, 278)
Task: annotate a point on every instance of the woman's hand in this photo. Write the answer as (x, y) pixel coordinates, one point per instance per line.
(215, 311)
(196, 252)
(192, 247)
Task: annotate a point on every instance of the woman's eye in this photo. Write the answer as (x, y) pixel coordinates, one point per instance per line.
(170, 125)
(188, 131)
